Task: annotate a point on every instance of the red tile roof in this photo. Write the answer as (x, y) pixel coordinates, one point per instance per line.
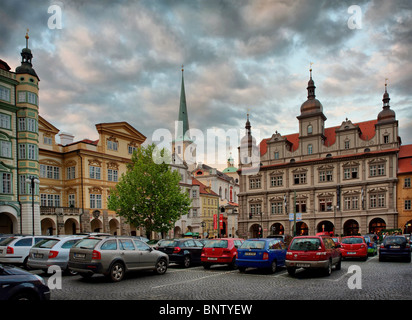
(203, 189)
(405, 151)
(367, 129)
(405, 159)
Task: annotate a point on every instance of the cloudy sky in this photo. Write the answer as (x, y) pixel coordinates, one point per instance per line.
(121, 61)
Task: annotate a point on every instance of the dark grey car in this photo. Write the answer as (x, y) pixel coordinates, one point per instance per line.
(114, 256)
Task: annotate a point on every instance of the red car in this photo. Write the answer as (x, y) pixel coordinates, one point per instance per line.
(354, 247)
(220, 251)
(313, 252)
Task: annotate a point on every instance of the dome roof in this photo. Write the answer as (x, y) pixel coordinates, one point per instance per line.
(311, 105)
(229, 170)
(387, 114)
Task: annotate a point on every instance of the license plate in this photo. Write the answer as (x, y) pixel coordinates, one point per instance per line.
(80, 255)
(213, 259)
(351, 253)
(250, 253)
(303, 265)
(37, 255)
(395, 247)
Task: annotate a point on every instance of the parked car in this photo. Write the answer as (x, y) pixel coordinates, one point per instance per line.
(266, 253)
(53, 251)
(144, 239)
(182, 251)
(395, 247)
(313, 252)
(16, 249)
(372, 246)
(220, 251)
(18, 284)
(354, 247)
(113, 256)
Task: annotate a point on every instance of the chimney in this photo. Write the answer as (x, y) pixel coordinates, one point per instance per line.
(66, 138)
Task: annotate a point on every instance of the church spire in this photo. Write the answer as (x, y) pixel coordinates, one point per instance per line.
(183, 117)
(26, 57)
(311, 85)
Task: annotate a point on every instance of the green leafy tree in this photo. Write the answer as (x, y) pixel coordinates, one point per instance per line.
(148, 195)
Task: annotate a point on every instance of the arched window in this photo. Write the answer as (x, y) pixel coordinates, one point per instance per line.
(310, 129)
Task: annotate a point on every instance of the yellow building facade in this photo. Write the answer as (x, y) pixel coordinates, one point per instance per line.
(76, 178)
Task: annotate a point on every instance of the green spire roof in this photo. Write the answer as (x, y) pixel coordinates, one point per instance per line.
(183, 117)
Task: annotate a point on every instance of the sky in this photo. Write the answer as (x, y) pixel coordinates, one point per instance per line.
(106, 61)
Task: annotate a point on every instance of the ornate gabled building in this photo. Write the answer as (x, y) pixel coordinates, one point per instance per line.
(339, 179)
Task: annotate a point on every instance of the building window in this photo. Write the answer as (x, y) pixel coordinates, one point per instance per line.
(276, 155)
(351, 203)
(72, 200)
(377, 170)
(310, 149)
(49, 200)
(71, 173)
(194, 194)
(32, 98)
(299, 178)
(112, 175)
(4, 93)
(386, 139)
(47, 140)
(112, 145)
(407, 183)
(276, 207)
(94, 172)
(325, 204)
(5, 149)
(377, 200)
(5, 121)
(131, 149)
(95, 201)
(347, 144)
(350, 173)
(254, 183)
(255, 209)
(50, 172)
(5, 187)
(408, 205)
(276, 181)
(301, 206)
(325, 175)
(310, 129)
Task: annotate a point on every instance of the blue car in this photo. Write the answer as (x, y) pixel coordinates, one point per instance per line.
(395, 247)
(262, 253)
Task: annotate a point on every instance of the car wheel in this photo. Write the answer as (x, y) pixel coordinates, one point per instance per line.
(28, 296)
(273, 266)
(232, 265)
(291, 271)
(206, 266)
(328, 270)
(339, 264)
(242, 269)
(187, 261)
(116, 273)
(161, 266)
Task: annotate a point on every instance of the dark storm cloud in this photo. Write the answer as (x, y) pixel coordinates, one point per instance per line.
(120, 60)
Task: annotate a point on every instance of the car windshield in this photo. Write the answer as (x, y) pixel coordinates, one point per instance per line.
(88, 243)
(395, 240)
(305, 244)
(352, 240)
(168, 243)
(46, 243)
(253, 244)
(216, 244)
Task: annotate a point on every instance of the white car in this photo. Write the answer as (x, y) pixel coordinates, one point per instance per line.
(52, 252)
(16, 249)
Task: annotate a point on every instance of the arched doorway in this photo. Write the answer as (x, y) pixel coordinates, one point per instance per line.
(114, 226)
(96, 225)
(408, 227)
(376, 225)
(302, 229)
(255, 231)
(70, 226)
(177, 232)
(48, 227)
(351, 228)
(6, 223)
(325, 226)
(277, 228)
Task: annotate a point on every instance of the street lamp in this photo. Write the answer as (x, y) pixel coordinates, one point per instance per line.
(32, 181)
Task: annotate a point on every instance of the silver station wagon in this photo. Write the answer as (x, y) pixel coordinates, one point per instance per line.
(113, 256)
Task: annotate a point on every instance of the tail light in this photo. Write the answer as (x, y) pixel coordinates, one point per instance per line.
(382, 246)
(53, 254)
(10, 250)
(176, 250)
(226, 251)
(265, 256)
(203, 252)
(96, 255)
